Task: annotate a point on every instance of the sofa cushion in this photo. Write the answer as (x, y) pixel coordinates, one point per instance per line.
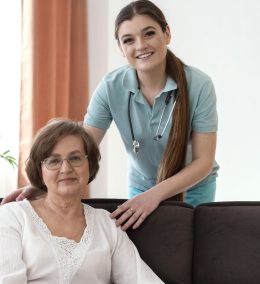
(164, 240)
(227, 243)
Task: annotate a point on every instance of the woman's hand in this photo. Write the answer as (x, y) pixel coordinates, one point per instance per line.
(135, 210)
(12, 196)
(27, 191)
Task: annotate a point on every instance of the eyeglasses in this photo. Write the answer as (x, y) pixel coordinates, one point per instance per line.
(54, 163)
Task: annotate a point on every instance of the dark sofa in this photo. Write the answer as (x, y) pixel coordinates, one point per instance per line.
(216, 243)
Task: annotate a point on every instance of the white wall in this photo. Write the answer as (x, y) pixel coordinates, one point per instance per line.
(221, 38)
(98, 66)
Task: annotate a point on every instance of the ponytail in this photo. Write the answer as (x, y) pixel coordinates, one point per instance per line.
(175, 152)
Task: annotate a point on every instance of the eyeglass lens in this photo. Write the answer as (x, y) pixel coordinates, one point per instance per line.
(56, 162)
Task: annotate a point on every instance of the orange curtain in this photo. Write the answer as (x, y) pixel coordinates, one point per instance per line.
(54, 67)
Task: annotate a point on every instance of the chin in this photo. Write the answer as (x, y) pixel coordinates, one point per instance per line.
(147, 67)
(71, 190)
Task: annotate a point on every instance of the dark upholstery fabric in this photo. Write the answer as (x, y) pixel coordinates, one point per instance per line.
(227, 243)
(164, 240)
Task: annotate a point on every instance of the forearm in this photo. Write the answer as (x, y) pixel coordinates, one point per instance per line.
(183, 180)
(203, 157)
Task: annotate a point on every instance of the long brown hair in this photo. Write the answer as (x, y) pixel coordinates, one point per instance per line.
(173, 159)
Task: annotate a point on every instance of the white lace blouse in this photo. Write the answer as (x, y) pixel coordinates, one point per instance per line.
(29, 253)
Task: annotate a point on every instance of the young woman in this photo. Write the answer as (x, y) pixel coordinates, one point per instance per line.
(57, 239)
(165, 112)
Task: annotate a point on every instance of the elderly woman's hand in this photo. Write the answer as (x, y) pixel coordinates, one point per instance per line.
(135, 210)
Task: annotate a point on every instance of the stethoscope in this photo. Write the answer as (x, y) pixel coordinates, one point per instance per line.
(158, 136)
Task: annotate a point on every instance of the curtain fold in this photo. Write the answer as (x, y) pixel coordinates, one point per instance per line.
(54, 67)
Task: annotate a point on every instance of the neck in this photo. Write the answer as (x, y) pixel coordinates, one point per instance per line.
(63, 205)
(152, 83)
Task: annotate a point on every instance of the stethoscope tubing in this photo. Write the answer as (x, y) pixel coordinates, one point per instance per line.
(167, 100)
(135, 143)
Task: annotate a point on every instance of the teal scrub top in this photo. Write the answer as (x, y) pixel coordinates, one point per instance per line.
(110, 102)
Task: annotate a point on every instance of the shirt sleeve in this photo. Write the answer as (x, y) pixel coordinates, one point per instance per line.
(205, 117)
(98, 112)
(127, 265)
(12, 267)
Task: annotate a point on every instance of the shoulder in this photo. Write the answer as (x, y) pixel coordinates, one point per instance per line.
(200, 85)
(13, 212)
(194, 72)
(97, 211)
(121, 79)
(110, 84)
(12, 207)
(116, 74)
(101, 216)
(196, 76)
(112, 92)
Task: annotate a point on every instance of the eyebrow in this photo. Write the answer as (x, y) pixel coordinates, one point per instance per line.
(143, 30)
(70, 153)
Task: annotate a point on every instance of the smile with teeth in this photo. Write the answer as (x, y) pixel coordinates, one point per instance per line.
(144, 55)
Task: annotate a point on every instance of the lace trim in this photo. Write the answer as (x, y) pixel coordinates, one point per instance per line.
(69, 253)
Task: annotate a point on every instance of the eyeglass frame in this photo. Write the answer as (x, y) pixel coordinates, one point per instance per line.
(43, 162)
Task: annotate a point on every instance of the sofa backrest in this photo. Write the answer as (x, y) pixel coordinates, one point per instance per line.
(227, 243)
(164, 240)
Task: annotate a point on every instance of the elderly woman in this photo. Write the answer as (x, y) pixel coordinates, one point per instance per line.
(57, 239)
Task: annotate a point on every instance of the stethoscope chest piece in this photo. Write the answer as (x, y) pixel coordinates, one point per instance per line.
(136, 146)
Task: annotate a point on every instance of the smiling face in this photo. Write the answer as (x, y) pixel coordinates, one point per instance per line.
(67, 180)
(143, 43)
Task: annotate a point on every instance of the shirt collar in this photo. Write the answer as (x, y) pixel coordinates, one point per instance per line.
(130, 82)
(170, 85)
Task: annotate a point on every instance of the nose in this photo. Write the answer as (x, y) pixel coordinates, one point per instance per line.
(141, 43)
(65, 166)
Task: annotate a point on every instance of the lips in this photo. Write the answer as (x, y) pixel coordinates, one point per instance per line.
(144, 55)
(67, 180)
